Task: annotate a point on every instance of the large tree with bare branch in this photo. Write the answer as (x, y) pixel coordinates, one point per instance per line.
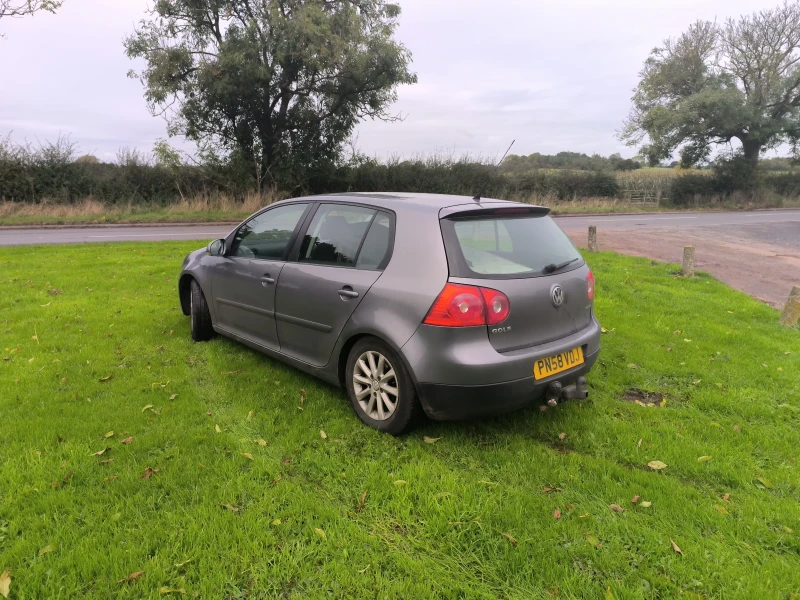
(23, 8)
(719, 82)
(279, 83)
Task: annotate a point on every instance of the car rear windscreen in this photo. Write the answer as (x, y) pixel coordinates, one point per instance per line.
(506, 246)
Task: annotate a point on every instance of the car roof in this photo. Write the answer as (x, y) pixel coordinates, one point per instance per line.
(406, 201)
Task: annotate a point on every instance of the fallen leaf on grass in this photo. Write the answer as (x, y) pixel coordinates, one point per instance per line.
(5, 583)
(230, 507)
(645, 504)
(400, 482)
(106, 461)
(109, 434)
(323, 435)
(675, 547)
(788, 529)
(47, 549)
(131, 577)
(430, 440)
(320, 533)
(127, 440)
(511, 539)
(362, 501)
(616, 508)
(261, 442)
(703, 458)
(179, 565)
(246, 455)
(657, 465)
(562, 436)
(104, 379)
(765, 482)
(736, 428)
(556, 514)
(166, 590)
(148, 473)
(249, 415)
(593, 540)
(146, 407)
(726, 498)
(217, 429)
(721, 509)
(173, 396)
(276, 522)
(548, 490)
(101, 452)
(208, 413)
(635, 499)
(364, 570)
(639, 443)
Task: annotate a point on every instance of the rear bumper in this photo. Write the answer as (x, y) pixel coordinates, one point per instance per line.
(459, 375)
(459, 402)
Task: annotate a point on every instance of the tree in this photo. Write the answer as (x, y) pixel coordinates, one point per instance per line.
(716, 83)
(278, 84)
(22, 8)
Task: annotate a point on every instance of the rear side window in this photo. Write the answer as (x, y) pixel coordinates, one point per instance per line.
(335, 234)
(505, 247)
(375, 249)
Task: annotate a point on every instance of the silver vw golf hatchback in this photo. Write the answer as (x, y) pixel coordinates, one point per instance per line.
(412, 302)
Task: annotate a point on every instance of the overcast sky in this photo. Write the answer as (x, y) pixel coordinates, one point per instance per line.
(554, 74)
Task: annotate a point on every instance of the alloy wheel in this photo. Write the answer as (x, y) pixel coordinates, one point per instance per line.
(375, 385)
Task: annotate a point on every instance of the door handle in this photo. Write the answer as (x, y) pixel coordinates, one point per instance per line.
(348, 292)
(266, 280)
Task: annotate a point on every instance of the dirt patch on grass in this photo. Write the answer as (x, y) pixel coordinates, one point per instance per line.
(642, 397)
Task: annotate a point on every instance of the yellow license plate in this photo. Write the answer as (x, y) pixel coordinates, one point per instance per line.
(545, 367)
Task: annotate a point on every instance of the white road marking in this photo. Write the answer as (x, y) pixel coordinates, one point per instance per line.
(119, 235)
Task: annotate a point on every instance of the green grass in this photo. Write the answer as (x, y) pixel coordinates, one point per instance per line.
(472, 520)
(125, 217)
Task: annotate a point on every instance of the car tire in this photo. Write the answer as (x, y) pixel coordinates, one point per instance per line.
(200, 316)
(371, 360)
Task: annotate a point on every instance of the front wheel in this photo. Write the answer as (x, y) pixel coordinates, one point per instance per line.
(380, 390)
(202, 331)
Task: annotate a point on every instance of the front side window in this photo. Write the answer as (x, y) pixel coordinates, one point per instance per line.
(267, 235)
(335, 234)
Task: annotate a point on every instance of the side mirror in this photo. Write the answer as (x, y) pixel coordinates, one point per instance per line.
(216, 248)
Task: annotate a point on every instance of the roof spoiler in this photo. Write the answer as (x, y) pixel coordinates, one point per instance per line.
(505, 209)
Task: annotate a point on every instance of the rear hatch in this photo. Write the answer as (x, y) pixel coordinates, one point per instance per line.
(520, 251)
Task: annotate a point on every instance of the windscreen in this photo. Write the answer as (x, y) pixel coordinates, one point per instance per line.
(501, 246)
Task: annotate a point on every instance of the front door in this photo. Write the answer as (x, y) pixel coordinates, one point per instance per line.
(341, 255)
(243, 282)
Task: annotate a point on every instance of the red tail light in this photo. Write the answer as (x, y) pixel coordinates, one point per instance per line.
(468, 306)
(590, 286)
(497, 306)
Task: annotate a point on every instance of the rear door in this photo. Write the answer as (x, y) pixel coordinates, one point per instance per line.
(339, 257)
(515, 251)
(243, 282)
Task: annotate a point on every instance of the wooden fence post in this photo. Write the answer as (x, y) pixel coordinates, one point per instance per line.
(688, 261)
(791, 312)
(592, 238)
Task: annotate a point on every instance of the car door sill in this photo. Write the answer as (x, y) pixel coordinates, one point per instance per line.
(253, 309)
(317, 370)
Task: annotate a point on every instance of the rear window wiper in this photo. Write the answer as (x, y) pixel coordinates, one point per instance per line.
(551, 268)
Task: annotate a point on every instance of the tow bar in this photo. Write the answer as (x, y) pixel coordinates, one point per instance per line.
(557, 393)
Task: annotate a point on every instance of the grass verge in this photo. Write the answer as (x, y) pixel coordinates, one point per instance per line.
(134, 462)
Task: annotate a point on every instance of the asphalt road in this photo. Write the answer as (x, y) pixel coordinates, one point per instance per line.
(15, 237)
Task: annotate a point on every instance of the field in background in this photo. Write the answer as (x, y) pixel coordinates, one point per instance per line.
(135, 462)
